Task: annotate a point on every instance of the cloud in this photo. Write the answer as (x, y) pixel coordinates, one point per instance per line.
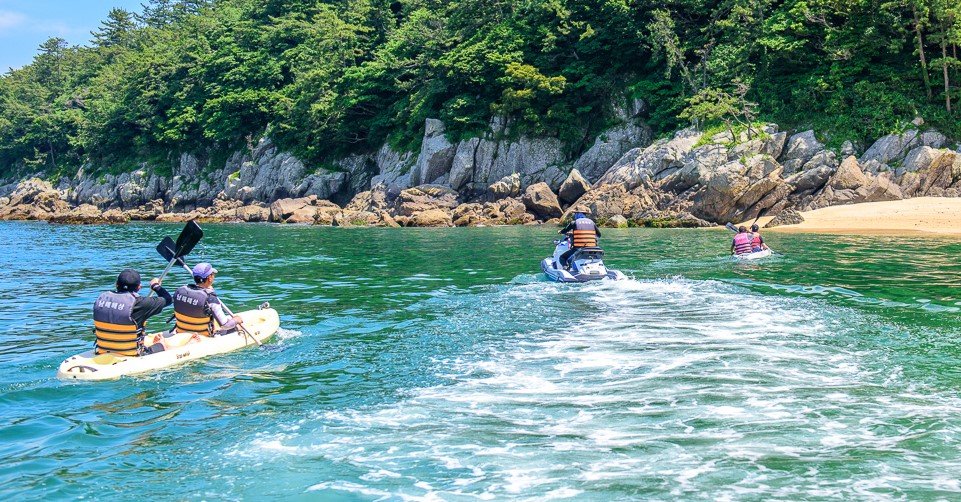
(11, 19)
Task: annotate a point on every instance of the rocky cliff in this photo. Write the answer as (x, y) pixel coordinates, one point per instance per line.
(622, 179)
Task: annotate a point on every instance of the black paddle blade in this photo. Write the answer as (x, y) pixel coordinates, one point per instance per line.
(166, 249)
(730, 226)
(188, 238)
(760, 214)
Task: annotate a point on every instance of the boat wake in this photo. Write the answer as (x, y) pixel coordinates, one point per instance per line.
(616, 388)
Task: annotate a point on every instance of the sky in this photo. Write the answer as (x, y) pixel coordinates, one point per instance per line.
(25, 24)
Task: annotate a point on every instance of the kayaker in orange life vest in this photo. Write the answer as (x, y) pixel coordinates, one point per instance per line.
(742, 241)
(757, 242)
(119, 316)
(197, 307)
(584, 234)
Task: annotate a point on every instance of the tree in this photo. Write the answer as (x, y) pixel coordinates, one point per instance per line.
(116, 31)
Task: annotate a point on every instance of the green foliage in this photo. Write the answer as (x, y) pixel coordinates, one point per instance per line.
(333, 77)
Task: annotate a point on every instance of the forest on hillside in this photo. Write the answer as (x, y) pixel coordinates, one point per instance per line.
(325, 78)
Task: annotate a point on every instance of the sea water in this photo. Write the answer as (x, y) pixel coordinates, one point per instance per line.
(440, 364)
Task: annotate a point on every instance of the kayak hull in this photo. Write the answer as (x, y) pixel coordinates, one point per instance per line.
(553, 272)
(182, 347)
(764, 253)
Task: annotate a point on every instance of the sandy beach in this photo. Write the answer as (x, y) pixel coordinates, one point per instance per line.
(922, 214)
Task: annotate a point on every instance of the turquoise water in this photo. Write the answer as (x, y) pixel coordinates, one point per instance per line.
(439, 364)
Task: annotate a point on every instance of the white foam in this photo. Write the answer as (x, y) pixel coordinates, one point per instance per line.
(629, 381)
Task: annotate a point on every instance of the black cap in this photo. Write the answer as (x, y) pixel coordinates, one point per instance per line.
(128, 280)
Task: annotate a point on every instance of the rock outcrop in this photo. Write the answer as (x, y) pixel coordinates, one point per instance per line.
(498, 178)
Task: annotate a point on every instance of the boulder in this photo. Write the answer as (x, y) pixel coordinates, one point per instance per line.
(34, 199)
(848, 176)
(347, 218)
(787, 217)
(606, 201)
(508, 186)
(82, 214)
(660, 160)
(801, 147)
(894, 148)
(771, 145)
(469, 214)
(573, 187)
(850, 185)
(847, 149)
(733, 191)
(616, 221)
(424, 198)
(252, 213)
(941, 172)
(431, 218)
(299, 210)
(698, 166)
(372, 200)
(920, 158)
(540, 200)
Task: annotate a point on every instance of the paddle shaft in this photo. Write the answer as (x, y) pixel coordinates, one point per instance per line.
(241, 326)
(163, 275)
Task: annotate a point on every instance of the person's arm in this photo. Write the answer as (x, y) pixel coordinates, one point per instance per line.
(733, 246)
(217, 310)
(145, 308)
(568, 228)
(162, 293)
(598, 230)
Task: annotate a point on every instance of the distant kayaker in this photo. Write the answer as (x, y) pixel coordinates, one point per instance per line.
(584, 233)
(757, 242)
(197, 307)
(119, 316)
(742, 241)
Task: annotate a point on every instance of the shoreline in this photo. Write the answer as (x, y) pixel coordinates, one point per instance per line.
(916, 216)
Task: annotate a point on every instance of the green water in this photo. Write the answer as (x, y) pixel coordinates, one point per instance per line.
(439, 364)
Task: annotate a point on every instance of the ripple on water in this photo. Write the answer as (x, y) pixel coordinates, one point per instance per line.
(758, 400)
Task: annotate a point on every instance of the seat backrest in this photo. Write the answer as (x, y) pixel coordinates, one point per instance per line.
(590, 253)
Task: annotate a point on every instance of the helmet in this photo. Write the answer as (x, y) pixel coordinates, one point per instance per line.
(754, 227)
(578, 216)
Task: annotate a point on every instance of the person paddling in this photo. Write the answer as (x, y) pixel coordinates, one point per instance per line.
(197, 307)
(119, 316)
(584, 233)
(757, 242)
(742, 241)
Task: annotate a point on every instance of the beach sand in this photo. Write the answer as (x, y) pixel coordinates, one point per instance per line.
(921, 214)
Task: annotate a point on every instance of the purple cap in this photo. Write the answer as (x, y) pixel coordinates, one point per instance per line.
(203, 270)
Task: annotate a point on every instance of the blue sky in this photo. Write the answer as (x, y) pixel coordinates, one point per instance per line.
(25, 24)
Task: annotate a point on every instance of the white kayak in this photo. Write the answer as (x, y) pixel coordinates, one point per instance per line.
(764, 253)
(182, 347)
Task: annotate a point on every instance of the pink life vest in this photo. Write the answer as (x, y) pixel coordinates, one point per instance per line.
(742, 243)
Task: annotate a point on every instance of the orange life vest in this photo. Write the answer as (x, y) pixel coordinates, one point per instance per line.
(585, 233)
(115, 330)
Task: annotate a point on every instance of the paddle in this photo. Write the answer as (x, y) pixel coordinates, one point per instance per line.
(188, 238)
(166, 249)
